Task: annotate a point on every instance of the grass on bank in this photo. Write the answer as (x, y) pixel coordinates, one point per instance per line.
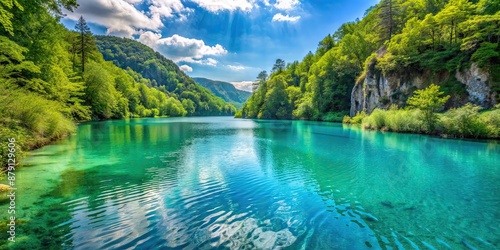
(31, 120)
(467, 121)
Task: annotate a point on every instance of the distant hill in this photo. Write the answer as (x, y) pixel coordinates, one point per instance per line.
(224, 90)
(163, 73)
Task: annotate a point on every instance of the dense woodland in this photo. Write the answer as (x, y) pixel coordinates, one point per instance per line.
(395, 37)
(51, 77)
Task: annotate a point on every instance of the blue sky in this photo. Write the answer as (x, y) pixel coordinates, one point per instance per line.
(228, 40)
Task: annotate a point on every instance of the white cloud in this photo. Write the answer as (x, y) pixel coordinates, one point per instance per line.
(286, 4)
(285, 18)
(121, 18)
(236, 67)
(243, 85)
(167, 8)
(208, 61)
(231, 5)
(211, 62)
(182, 49)
(133, 1)
(186, 68)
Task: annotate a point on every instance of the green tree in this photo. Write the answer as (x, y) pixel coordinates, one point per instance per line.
(387, 14)
(99, 91)
(85, 40)
(455, 12)
(324, 45)
(262, 77)
(14, 69)
(188, 106)
(276, 105)
(278, 66)
(6, 15)
(429, 101)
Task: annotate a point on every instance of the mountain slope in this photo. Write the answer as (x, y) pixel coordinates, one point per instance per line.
(224, 90)
(163, 73)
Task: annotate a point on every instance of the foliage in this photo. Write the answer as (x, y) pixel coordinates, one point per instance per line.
(357, 119)
(465, 122)
(278, 66)
(276, 105)
(396, 120)
(224, 90)
(429, 101)
(6, 15)
(485, 53)
(446, 38)
(492, 119)
(31, 119)
(85, 42)
(333, 117)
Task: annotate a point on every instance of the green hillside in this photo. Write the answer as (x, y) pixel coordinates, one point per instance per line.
(224, 90)
(163, 74)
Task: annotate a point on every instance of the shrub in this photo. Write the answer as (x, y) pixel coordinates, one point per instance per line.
(429, 101)
(465, 122)
(358, 118)
(333, 117)
(492, 119)
(397, 120)
(346, 119)
(42, 117)
(376, 120)
(31, 119)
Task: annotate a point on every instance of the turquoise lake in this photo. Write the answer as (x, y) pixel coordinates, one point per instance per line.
(225, 183)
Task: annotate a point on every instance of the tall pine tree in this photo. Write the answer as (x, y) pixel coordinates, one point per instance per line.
(388, 23)
(85, 41)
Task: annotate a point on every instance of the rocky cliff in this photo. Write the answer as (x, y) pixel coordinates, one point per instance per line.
(378, 91)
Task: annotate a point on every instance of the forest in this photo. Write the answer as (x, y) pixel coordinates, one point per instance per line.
(402, 38)
(52, 78)
(225, 90)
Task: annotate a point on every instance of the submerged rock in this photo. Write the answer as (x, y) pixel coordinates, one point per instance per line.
(387, 204)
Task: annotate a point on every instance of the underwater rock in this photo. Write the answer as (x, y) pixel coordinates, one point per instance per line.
(387, 204)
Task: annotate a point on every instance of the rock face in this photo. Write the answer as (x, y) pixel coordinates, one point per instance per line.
(478, 89)
(379, 91)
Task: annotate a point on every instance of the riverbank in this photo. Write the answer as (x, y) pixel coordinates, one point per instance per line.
(464, 122)
(25, 141)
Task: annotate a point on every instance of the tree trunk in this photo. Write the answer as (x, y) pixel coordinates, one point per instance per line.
(83, 52)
